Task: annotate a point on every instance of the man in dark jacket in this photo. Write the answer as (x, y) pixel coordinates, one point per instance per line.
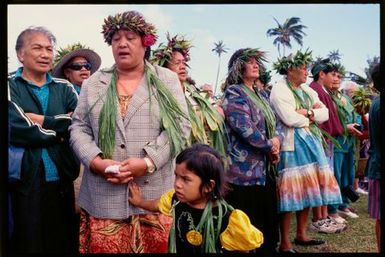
(374, 171)
(40, 109)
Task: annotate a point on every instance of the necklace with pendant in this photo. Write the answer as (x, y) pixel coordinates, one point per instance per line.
(194, 236)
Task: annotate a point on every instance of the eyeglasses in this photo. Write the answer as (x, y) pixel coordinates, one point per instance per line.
(79, 66)
(178, 63)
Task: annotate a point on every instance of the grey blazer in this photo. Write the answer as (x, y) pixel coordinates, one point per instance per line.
(139, 134)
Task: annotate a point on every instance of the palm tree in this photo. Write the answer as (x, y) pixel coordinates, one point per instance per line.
(283, 33)
(371, 63)
(357, 78)
(218, 49)
(366, 82)
(335, 56)
(316, 60)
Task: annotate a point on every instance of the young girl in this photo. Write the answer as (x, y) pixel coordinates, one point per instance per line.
(202, 221)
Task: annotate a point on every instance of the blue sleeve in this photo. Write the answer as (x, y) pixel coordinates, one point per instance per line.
(238, 118)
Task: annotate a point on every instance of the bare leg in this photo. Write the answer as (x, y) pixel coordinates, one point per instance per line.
(317, 213)
(302, 217)
(285, 228)
(355, 185)
(324, 211)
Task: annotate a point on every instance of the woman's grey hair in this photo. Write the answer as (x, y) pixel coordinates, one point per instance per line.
(20, 41)
(349, 87)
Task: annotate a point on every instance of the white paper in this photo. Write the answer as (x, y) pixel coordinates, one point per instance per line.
(113, 169)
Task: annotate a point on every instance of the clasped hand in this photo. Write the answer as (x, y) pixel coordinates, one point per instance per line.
(129, 168)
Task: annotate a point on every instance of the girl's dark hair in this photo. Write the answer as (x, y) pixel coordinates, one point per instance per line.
(206, 163)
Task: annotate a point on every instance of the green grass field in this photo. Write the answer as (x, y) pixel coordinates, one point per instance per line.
(359, 236)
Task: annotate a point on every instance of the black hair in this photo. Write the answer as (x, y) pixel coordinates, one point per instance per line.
(231, 80)
(190, 81)
(282, 71)
(206, 163)
(326, 71)
(375, 74)
(147, 53)
(328, 67)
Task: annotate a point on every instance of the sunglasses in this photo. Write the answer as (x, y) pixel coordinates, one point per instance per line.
(79, 66)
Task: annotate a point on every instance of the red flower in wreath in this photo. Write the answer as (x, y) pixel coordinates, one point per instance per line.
(148, 40)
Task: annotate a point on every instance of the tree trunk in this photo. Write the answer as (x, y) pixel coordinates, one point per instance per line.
(216, 80)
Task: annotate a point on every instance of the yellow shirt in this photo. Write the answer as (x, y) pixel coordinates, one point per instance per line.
(239, 235)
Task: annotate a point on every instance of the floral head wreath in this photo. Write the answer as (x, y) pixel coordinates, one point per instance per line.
(264, 75)
(236, 67)
(66, 54)
(164, 52)
(292, 61)
(66, 50)
(339, 68)
(133, 21)
(322, 65)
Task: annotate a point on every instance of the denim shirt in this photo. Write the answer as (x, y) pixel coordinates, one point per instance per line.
(248, 145)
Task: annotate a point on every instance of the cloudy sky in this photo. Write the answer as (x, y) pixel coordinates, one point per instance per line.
(353, 29)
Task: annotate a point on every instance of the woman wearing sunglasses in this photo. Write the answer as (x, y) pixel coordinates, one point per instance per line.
(75, 63)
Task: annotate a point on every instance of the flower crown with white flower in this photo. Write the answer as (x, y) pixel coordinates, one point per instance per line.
(133, 21)
(163, 53)
(291, 61)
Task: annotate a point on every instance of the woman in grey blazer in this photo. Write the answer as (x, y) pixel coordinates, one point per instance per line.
(132, 116)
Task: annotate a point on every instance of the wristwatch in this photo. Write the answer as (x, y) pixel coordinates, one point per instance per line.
(150, 166)
(310, 113)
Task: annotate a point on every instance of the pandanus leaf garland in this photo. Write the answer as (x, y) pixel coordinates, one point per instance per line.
(211, 119)
(170, 112)
(307, 103)
(107, 120)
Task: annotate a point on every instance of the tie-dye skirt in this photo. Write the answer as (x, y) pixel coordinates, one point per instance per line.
(144, 233)
(305, 178)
